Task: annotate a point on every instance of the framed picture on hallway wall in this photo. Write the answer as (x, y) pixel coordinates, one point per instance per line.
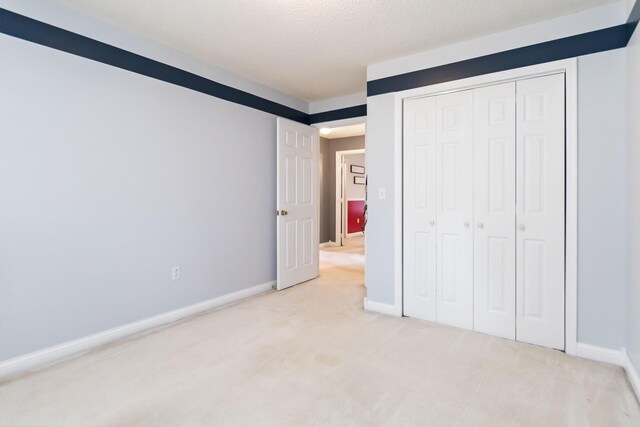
(360, 180)
(357, 169)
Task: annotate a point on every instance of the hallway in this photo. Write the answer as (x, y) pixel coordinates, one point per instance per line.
(310, 355)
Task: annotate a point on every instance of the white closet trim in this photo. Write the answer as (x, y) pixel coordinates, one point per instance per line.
(569, 67)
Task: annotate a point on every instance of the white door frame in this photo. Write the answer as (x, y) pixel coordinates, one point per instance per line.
(570, 68)
(340, 213)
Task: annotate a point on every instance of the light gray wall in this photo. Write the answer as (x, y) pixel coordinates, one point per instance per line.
(328, 197)
(602, 199)
(633, 182)
(380, 243)
(354, 191)
(602, 220)
(108, 179)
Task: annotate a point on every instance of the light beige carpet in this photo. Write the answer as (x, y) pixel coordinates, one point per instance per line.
(311, 356)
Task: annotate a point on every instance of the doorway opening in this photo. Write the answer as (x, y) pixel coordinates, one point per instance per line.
(343, 196)
(342, 182)
(351, 195)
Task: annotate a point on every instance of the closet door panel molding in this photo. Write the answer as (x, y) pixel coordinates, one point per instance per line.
(495, 210)
(420, 208)
(540, 211)
(455, 209)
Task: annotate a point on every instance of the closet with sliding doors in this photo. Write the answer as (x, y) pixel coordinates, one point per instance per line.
(484, 209)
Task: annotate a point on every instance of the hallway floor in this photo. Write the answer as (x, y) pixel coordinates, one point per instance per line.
(310, 355)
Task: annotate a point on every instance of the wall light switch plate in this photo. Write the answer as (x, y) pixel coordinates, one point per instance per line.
(382, 193)
(175, 273)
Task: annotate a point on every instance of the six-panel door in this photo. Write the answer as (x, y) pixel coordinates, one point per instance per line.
(297, 203)
(420, 208)
(495, 210)
(540, 169)
(454, 209)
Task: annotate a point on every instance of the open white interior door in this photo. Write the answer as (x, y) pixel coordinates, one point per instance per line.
(297, 203)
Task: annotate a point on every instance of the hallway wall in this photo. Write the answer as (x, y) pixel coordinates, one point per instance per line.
(352, 190)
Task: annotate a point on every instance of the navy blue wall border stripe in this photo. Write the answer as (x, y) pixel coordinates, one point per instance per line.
(35, 31)
(569, 47)
(51, 36)
(342, 113)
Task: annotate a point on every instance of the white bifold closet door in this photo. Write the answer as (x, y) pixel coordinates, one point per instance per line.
(495, 210)
(454, 209)
(540, 192)
(484, 194)
(438, 199)
(420, 208)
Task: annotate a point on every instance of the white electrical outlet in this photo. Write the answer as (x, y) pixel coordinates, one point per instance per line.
(175, 273)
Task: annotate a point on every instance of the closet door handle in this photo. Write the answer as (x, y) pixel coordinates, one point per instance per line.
(466, 224)
(480, 225)
(432, 222)
(521, 227)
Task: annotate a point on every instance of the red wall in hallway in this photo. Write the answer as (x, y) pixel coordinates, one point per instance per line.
(355, 216)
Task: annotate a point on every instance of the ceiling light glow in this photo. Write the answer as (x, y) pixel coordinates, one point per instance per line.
(325, 131)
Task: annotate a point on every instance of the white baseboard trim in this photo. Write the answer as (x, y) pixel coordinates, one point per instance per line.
(329, 244)
(52, 354)
(614, 357)
(600, 354)
(378, 307)
(632, 374)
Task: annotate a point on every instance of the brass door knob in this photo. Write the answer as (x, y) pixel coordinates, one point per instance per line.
(283, 213)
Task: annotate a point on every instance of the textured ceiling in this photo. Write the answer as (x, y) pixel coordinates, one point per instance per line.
(317, 49)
